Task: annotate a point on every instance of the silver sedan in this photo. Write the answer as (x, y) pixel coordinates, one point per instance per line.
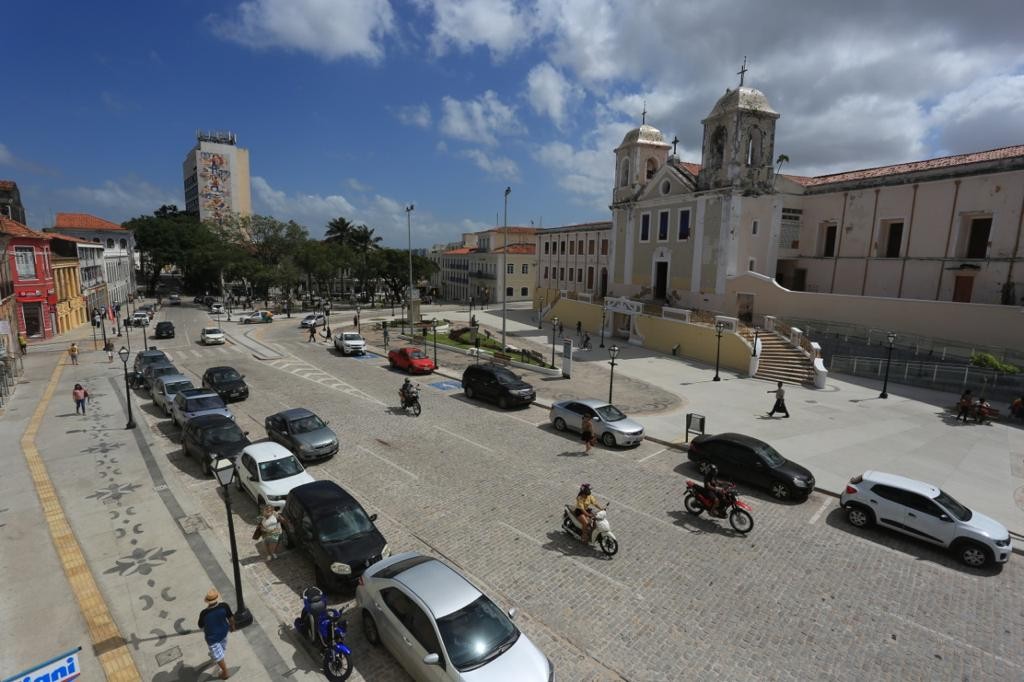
(611, 426)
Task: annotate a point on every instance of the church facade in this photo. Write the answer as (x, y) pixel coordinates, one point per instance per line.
(946, 229)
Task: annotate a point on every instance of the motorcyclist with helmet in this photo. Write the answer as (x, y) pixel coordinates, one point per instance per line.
(585, 501)
(406, 392)
(715, 490)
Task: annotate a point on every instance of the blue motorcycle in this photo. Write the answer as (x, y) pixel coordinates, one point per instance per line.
(325, 629)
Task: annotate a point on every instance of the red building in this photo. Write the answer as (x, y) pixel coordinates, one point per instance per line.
(35, 294)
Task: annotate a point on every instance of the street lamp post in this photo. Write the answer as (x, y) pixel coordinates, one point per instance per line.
(225, 470)
(554, 333)
(128, 329)
(504, 272)
(719, 328)
(602, 325)
(359, 321)
(753, 351)
(384, 328)
(434, 321)
(614, 353)
(891, 336)
(123, 354)
(408, 223)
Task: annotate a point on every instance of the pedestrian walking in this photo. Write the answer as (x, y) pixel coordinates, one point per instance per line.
(80, 395)
(110, 351)
(270, 527)
(964, 406)
(587, 434)
(579, 329)
(561, 329)
(355, 321)
(73, 352)
(22, 343)
(327, 333)
(217, 620)
(780, 401)
(312, 333)
(586, 342)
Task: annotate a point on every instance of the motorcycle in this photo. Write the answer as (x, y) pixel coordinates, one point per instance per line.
(601, 535)
(325, 629)
(697, 499)
(411, 401)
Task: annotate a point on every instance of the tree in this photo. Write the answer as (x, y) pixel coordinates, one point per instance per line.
(165, 238)
(393, 269)
(339, 230)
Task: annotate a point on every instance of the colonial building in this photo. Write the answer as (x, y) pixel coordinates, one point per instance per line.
(485, 262)
(574, 258)
(8, 304)
(72, 307)
(35, 294)
(946, 229)
(116, 263)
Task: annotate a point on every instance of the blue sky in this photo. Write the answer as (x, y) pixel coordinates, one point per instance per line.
(358, 107)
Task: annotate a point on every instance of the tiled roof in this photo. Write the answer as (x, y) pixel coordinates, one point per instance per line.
(84, 221)
(8, 184)
(915, 166)
(600, 225)
(68, 237)
(511, 230)
(458, 252)
(691, 168)
(15, 229)
(516, 248)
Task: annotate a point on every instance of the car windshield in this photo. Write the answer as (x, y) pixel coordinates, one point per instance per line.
(343, 524)
(476, 633)
(306, 424)
(226, 375)
(161, 371)
(771, 455)
(212, 330)
(416, 354)
(223, 435)
(173, 388)
(206, 402)
(505, 377)
(277, 469)
(349, 336)
(609, 413)
(959, 511)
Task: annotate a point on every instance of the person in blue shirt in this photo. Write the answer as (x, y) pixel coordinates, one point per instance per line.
(217, 620)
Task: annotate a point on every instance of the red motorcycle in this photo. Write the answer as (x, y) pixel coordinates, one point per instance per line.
(697, 499)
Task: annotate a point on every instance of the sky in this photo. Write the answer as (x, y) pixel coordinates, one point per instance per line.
(358, 108)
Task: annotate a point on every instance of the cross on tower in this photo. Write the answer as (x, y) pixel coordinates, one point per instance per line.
(743, 70)
(643, 114)
(675, 141)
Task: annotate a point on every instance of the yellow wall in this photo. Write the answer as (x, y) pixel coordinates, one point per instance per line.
(569, 312)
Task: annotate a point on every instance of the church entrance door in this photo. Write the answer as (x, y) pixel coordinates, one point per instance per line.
(660, 279)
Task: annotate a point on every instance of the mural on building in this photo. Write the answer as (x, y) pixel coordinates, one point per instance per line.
(215, 184)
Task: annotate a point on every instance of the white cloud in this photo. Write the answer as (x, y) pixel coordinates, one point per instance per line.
(312, 210)
(985, 114)
(358, 186)
(586, 172)
(330, 30)
(479, 120)
(414, 115)
(498, 166)
(6, 157)
(498, 25)
(550, 93)
(118, 200)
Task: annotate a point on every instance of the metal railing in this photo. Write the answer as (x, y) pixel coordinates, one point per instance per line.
(934, 375)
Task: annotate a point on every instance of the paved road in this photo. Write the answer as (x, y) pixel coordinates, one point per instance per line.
(804, 596)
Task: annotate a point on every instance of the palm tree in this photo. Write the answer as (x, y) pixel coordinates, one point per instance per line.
(339, 230)
(779, 161)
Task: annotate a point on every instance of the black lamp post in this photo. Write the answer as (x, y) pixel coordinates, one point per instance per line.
(554, 333)
(403, 317)
(719, 328)
(434, 324)
(123, 354)
(614, 353)
(891, 336)
(225, 471)
(384, 328)
(359, 322)
(753, 352)
(602, 328)
(128, 329)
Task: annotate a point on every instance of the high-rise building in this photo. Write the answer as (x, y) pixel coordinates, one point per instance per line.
(216, 175)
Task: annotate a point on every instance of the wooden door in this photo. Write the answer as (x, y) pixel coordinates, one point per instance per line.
(962, 288)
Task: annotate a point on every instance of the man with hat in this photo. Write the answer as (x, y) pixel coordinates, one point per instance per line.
(217, 620)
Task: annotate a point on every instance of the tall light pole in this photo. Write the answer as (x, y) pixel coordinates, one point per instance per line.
(602, 325)
(408, 225)
(614, 353)
(554, 333)
(123, 354)
(891, 336)
(719, 328)
(504, 272)
(225, 471)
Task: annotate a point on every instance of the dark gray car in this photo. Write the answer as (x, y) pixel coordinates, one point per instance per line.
(302, 432)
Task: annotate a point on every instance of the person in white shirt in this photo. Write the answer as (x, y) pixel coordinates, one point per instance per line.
(780, 401)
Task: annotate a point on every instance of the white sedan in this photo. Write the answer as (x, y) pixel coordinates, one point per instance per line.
(267, 472)
(210, 336)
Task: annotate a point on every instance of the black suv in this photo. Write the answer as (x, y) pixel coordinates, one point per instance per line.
(333, 529)
(747, 459)
(210, 437)
(498, 384)
(227, 383)
(148, 357)
(164, 330)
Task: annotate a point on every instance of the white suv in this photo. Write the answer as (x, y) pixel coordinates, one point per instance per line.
(349, 342)
(925, 512)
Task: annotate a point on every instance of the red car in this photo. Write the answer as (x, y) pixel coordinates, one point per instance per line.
(412, 359)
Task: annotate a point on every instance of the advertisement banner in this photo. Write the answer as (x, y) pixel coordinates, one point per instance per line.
(58, 669)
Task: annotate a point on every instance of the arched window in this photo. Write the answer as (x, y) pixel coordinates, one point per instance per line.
(652, 167)
(754, 147)
(624, 173)
(110, 243)
(717, 148)
(124, 244)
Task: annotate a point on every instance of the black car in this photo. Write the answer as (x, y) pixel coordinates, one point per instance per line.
(333, 529)
(227, 383)
(747, 459)
(148, 357)
(498, 384)
(164, 330)
(210, 437)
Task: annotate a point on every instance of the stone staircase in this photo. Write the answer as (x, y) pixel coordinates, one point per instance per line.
(779, 360)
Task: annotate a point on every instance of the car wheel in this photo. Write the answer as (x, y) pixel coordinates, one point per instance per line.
(608, 439)
(703, 466)
(780, 491)
(391, 363)
(559, 424)
(370, 629)
(207, 469)
(469, 392)
(859, 517)
(973, 554)
(503, 402)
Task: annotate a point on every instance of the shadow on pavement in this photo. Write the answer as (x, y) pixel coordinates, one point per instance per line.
(566, 545)
(701, 524)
